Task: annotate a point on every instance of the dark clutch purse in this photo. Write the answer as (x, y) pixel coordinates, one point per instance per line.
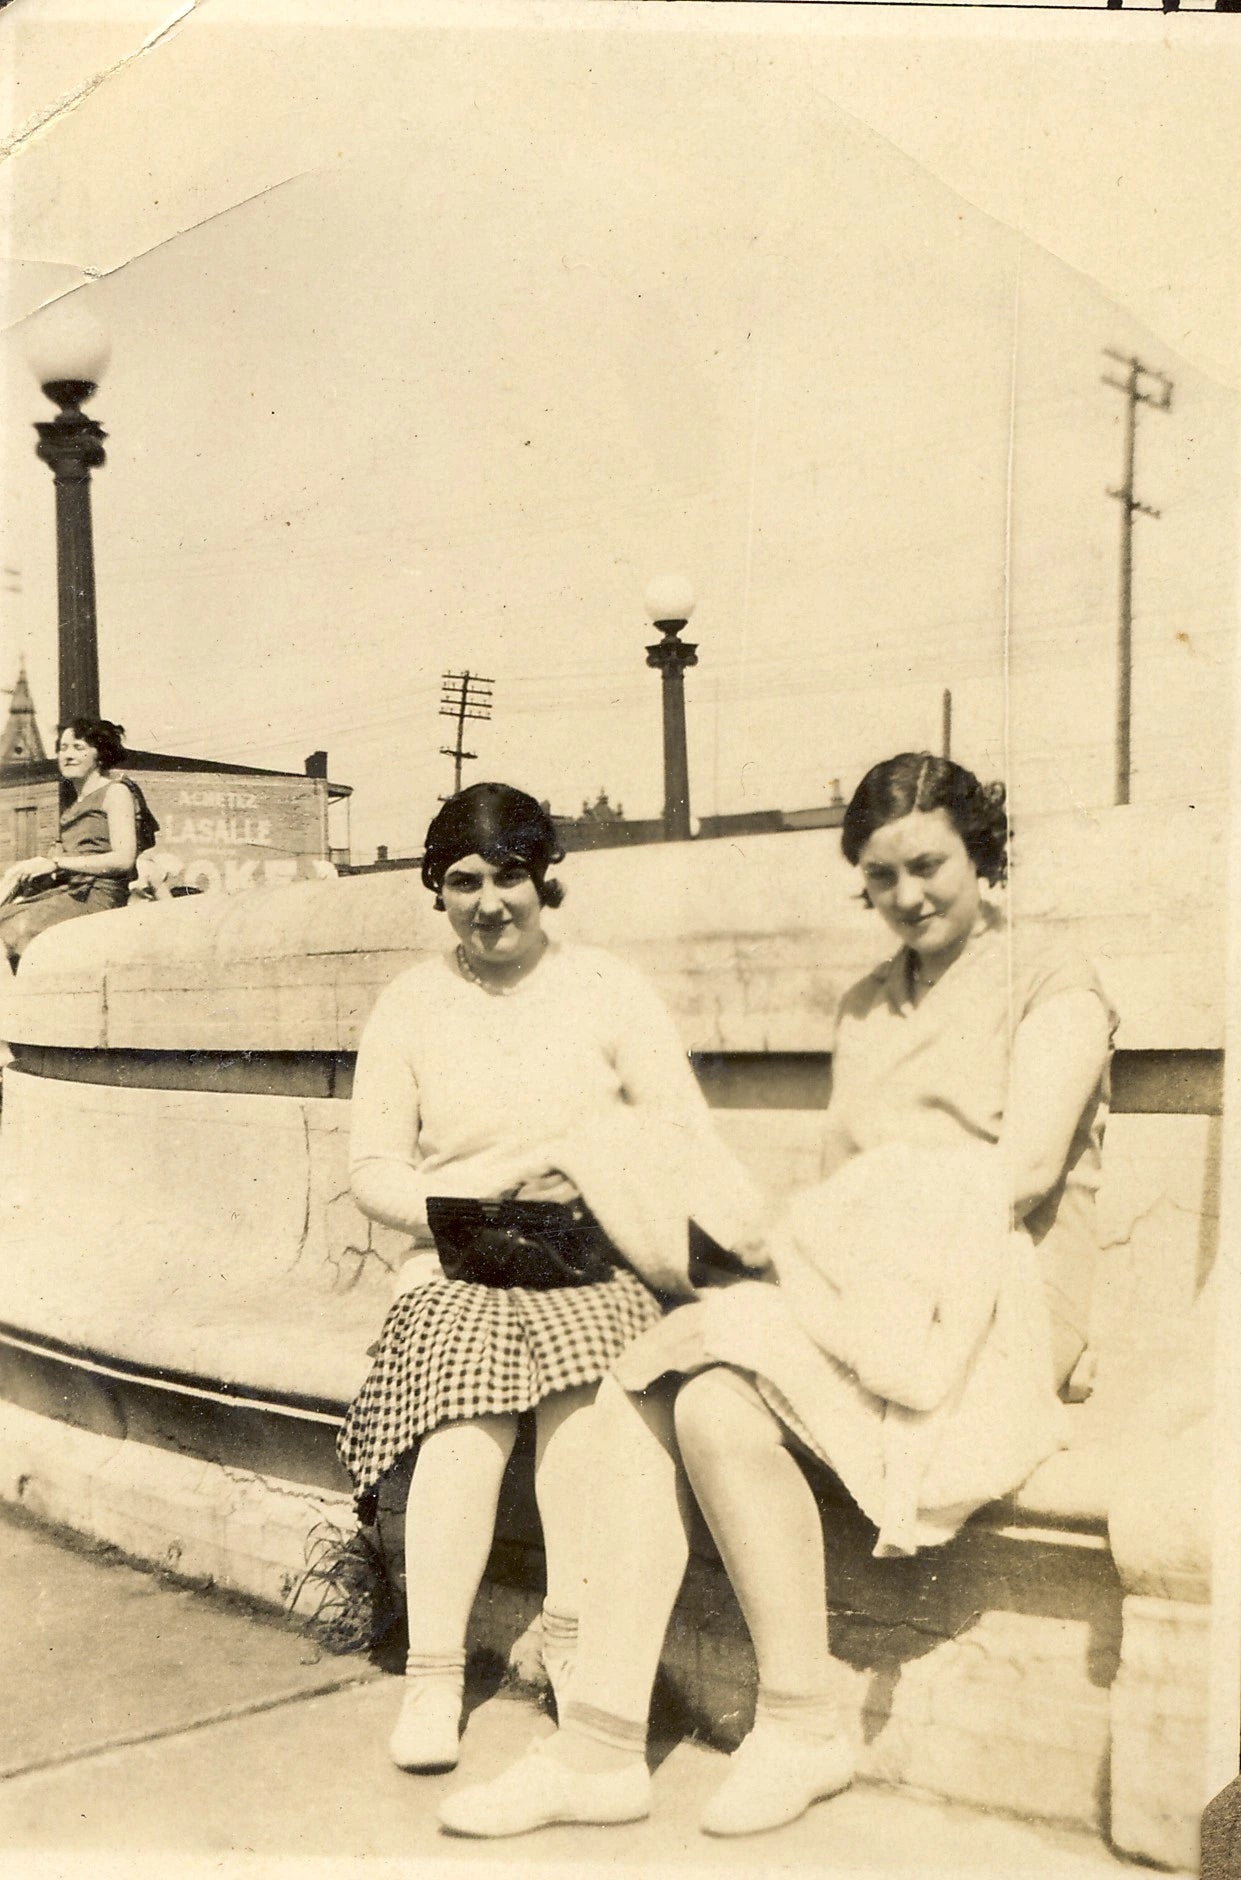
(535, 1244)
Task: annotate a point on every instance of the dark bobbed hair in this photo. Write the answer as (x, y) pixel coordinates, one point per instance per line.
(102, 735)
(501, 824)
(917, 780)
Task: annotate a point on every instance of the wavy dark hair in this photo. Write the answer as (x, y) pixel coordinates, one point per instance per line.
(502, 825)
(102, 735)
(918, 780)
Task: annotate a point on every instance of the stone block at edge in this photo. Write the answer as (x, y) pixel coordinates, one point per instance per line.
(1161, 1515)
(1007, 1715)
(169, 1511)
(1159, 1731)
(1004, 1773)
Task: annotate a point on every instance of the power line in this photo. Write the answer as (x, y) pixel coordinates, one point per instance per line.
(1133, 385)
(463, 695)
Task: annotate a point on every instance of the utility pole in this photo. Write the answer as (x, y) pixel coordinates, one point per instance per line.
(946, 723)
(1141, 385)
(463, 695)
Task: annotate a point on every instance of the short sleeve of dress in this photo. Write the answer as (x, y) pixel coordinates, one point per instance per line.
(1052, 970)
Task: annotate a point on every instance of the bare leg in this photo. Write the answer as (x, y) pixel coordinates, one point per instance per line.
(450, 1519)
(639, 1549)
(450, 1522)
(765, 1522)
(563, 1466)
(594, 1769)
(564, 1463)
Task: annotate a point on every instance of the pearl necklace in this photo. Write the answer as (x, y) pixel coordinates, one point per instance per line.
(496, 989)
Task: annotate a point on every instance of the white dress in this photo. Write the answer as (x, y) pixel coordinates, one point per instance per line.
(927, 1079)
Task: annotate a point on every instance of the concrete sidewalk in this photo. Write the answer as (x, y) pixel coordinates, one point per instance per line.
(152, 1728)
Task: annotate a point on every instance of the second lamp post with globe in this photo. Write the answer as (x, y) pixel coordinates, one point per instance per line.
(670, 603)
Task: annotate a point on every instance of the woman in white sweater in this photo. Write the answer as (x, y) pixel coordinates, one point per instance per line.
(479, 1074)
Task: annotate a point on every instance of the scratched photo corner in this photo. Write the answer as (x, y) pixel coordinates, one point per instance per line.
(618, 1235)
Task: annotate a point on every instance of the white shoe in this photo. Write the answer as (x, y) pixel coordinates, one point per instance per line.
(537, 1791)
(428, 1727)
(775, 1776)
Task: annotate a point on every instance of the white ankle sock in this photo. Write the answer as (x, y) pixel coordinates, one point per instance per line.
(559, 1629)
(594, 1742)
(814, 1714)
(435, 1667)
(559, 1650)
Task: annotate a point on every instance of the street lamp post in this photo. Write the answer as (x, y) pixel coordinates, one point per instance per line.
(68, 356)
(670, 603)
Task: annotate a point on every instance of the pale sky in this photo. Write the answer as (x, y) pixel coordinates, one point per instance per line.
(437, 333)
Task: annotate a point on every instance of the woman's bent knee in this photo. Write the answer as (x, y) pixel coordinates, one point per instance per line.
(721, 1410)
(471, 1433)
(563, 1403)
(626, 1422)
(618, 1409)
(612, 1404)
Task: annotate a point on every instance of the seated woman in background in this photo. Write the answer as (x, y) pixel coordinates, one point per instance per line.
(515, 1065)
(102, 830)
(931, 1299)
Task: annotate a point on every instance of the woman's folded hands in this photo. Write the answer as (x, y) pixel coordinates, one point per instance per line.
(549, 1184)
(753, 1252)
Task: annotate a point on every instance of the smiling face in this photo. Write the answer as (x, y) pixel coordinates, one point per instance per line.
(75, 758)
(494, 910)
(919, 876)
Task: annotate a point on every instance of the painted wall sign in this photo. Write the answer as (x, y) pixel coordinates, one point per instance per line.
(222, 834)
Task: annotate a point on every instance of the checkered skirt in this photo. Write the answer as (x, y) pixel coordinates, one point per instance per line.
(451, 1350)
